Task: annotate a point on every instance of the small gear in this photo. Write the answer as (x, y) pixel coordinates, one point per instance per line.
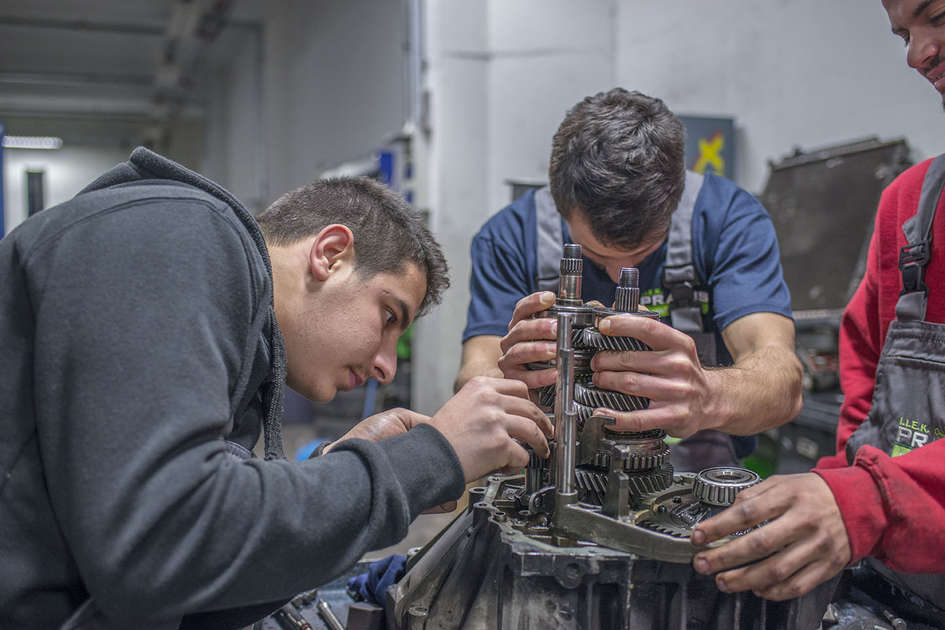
(593, 338)
(590, 395)
(546, 397)
(644, 455)
(592, 483)
(720, 485)
(663, 527)
(650, 482)
(617, 434)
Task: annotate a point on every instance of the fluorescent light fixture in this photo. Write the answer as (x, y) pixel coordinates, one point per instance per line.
(31, 142)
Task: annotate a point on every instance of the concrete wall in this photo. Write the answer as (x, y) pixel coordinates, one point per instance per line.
(791, 72)
(235, 152)
(67, 171)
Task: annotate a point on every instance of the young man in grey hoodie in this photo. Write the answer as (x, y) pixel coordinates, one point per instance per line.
(148, 327)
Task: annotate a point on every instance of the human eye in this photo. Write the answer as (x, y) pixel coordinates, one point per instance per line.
(937, 19)
(390, 318)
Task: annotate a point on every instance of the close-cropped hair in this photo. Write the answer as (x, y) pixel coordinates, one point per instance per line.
(388, 233)
(619, 158)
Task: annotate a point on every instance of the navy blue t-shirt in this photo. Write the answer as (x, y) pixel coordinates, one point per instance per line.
(735, 251)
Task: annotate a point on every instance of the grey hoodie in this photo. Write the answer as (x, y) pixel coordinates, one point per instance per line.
(139, 352)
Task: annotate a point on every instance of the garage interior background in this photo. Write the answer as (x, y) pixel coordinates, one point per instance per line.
(447, 100)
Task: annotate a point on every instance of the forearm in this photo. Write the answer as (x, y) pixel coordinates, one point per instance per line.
(761, 391)
(480, 358)
(471, 370)
(890, 505)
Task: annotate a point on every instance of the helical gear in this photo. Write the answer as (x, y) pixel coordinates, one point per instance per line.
(593, 338)
(676, 531)
(589, 394)
(644, 459)
(718, 486)
(594, 481)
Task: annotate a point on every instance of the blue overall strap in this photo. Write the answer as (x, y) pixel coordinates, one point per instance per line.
(914, 256)
(679, 273)
(550, 241)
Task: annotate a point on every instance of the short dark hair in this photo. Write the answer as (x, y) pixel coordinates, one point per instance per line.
(618, 157)
(388, 233)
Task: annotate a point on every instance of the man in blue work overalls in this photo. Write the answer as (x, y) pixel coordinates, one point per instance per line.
(724, 369)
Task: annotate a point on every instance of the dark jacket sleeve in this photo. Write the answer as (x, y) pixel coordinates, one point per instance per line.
(143, 318)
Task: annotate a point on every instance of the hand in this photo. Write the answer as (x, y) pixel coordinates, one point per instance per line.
(382, 426)
(670, 375)
(483, 421)
(527, 341)
(803, 544)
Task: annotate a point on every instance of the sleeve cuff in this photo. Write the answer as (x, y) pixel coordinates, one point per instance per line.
(427, 467)
(861, 506)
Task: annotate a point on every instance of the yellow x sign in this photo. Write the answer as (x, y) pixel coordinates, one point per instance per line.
(710, 154)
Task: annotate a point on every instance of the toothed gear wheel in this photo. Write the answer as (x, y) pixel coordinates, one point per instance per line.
(592, 483)
(650, 482)
(618, 435)
(650, 455)
(593, 338)
(546, 396)
(720, 485)
(676, 531)
(588, 394)
(595, 481)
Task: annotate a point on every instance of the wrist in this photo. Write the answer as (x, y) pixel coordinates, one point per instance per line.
(322, 448)
(716, 407)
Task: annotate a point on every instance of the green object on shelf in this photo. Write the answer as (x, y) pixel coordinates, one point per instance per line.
(764, 460)
(403, 344)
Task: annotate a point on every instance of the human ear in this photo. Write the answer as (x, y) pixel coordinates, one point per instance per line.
(333, 245)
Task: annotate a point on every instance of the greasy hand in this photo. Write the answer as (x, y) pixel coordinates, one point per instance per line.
(530, 340)
(484, 420)
(805, 533)
(382, 426)
(670, 375)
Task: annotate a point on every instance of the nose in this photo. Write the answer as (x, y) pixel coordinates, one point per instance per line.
(923, 52)
(385, 362)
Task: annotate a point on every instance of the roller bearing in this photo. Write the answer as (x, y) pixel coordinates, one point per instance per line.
(720, 485)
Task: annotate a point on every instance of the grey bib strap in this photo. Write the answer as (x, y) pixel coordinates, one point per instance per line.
(679, 274)
(550, 242)
(914, 257)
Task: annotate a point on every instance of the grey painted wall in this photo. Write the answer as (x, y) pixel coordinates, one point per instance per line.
(791, 72)
(66, 172)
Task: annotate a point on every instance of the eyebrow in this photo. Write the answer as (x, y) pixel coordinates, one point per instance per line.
(404, 313)
(922, 7)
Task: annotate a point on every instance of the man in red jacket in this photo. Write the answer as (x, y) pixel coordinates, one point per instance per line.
(882, 496)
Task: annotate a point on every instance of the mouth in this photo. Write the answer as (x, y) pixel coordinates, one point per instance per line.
(936, 75)
(354, 379)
